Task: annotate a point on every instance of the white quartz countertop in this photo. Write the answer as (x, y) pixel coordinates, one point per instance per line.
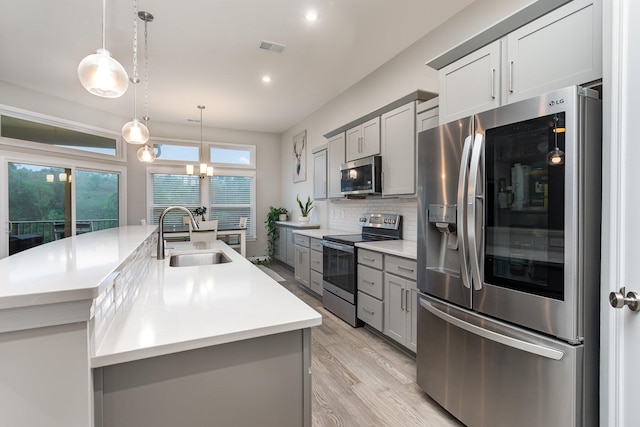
(175, 308)
(295, 224)
(66, 270)
(401, 248)
(318, 233)
(182, 308)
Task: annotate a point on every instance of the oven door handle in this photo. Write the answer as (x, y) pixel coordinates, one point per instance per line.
(338, 246)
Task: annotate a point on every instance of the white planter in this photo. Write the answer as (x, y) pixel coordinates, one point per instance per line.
(282, 217)
(303, 219)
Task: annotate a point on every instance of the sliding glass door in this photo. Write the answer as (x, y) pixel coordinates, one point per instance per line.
(41, 203)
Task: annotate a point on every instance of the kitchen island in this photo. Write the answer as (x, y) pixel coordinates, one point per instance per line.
(97, 332)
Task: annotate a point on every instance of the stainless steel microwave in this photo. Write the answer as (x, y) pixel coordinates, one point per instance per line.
(362, 176)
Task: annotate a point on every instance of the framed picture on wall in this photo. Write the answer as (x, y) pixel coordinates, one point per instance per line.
(300, 157)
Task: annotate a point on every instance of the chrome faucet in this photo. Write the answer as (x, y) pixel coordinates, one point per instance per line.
(194, 224)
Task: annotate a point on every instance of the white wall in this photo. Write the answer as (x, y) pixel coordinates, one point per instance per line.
(400, 76)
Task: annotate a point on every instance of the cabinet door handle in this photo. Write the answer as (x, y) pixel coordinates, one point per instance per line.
(406, 302)
(510, 76)
(368, 259)
(402, 306)
(368, 311)
(368, 281)
(493, 83)
(401, 267)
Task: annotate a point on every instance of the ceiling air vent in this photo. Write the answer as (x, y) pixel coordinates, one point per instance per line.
(272, 47)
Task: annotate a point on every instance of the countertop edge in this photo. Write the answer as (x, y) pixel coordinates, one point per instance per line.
(148, 352)
(392, 247)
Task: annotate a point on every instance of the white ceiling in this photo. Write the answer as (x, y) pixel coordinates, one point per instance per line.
(206, 52)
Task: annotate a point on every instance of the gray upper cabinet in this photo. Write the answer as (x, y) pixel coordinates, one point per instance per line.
(471, 84)
(427, 115)
(335, 158)
(363, 140)
(398, 147)
(320, 174)
(561, 48)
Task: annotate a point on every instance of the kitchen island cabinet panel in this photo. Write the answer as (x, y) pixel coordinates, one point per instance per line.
(256, 382)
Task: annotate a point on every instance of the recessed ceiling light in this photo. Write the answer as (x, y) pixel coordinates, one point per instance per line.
(311, 15)
(266, 79)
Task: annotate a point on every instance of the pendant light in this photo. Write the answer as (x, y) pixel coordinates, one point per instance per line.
(146, 153)
(135, 132)
(100, 73)
(205, 169)
(555, 157)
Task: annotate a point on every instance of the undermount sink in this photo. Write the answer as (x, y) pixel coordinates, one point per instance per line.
(198, 258)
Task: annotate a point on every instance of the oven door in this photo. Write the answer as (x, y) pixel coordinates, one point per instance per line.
(339, 270)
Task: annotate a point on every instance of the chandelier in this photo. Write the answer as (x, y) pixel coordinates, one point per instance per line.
(205, 169)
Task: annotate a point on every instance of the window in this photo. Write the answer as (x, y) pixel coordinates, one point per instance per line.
(232, 197)
(170, 189)
(235, 156)
(228, 195)
(41, 203)
(55, 135)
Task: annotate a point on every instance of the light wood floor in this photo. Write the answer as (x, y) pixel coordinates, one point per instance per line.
(360, 379)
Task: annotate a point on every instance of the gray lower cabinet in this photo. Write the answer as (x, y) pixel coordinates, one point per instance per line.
(286, 247)
(315, 258)
(224, 385)
(388, 295)
(370, 307)
(290, 260)
(401, 294)
(308, 262)
(301, 261)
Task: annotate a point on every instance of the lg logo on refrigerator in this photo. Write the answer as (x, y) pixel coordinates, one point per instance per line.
(558, 102)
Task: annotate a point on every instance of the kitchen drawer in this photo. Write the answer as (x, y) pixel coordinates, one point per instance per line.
(316, 244)
(370, 311)
(315, 282)
(316, 261)
(370, 281)
(370, 258)
(403, 267)
(301, 240)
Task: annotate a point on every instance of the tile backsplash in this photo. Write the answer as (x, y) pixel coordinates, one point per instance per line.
(344, 213)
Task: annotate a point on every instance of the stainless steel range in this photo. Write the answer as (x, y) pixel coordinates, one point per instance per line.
(339, 259)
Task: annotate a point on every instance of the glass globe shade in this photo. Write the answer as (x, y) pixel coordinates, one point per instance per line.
(555, 157)
(135, 132)
(146, 154)
(102, 75)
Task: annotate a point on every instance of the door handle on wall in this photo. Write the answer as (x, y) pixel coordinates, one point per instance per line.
(619, 300)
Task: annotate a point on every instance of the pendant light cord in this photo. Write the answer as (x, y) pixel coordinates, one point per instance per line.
(134, 78)
(104, 24)
(146, 72)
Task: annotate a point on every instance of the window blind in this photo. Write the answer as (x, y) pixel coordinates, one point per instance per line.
(231, 197)
(169, 190)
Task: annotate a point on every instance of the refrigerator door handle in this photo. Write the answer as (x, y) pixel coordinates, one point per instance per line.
(539, 350)
(472, 200)
(461, 213)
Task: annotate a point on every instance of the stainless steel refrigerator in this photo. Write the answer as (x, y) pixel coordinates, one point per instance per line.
(508, 262)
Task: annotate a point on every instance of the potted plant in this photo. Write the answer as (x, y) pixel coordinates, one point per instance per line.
(200, 211)
(273, 215)
(305, 209)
